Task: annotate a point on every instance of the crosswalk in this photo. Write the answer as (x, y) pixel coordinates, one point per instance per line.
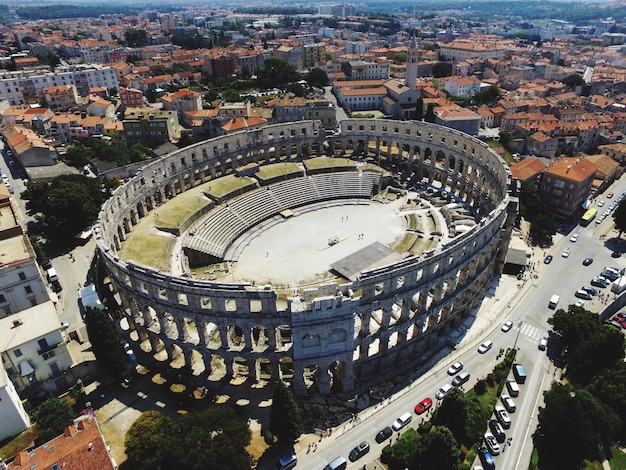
(531, 332)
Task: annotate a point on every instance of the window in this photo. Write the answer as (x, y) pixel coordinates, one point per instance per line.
(2, 298)
(28, 289)
(22, 276)
(17, 352)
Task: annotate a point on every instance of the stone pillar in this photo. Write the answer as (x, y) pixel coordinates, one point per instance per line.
(323, 381)
(299, 386)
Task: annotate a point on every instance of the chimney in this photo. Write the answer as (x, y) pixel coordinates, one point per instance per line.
(90, 446)
(17, 323)
(21, 458)
(70, 431)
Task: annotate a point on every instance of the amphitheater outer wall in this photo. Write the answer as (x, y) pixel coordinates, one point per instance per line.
(333, 337)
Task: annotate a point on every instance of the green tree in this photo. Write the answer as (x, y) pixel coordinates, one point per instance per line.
(571, 425)
(211, 439)
(317, 77)
(231, 96)
(136, 37)
(529, 201)
(609, 386)
(574, 80)
(619, 217)
(453, 413)
(296, 89)
(399, 58)
(404, 452)
(542, 229)
(285, 419)
(77, 155)
(592, 346)
(442, 69)
(146, 440)
(65, 206)
(276, 72)
(52, 417)
(430, 113)
(439, 449)
(105, 341)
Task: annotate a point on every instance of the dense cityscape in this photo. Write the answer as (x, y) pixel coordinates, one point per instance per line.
(327, 235)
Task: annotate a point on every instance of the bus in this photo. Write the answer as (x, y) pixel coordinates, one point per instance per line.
(588, 217)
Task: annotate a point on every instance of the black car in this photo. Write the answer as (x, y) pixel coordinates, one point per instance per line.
(610, 275)
(616, 254)
(384, 434)
(548, 259)
(599, 282)
(46, 265)
(359, 451)
(587, 261)
(497, 430)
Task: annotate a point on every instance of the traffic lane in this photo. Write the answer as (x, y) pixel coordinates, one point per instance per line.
(341, 442)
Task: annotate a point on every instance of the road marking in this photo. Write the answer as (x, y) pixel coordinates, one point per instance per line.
(530, 331)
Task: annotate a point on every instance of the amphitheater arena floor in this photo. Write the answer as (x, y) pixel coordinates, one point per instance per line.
(296, 251)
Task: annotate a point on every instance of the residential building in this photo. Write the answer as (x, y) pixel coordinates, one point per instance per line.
(366, 70)
(13, 416)
(460, 50)
(401, 100)
(542, 145)
(528, 170)
(458, 118)
(463, 87)
(150, 127)
(81, 446)
(314, 54)
(131, 97)
(616, 151)
(565, 186)
(60, 98)
(182, 101)
(293, 55)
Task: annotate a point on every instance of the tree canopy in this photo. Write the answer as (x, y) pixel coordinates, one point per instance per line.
(619, 217)
(52, 417)
(105, 341)
(276, 72)
(573, 80)
(442, 69)
(65, 206)
(317, 77)
(285, 419)
(136, 37)
(145, 440)
(210, 439)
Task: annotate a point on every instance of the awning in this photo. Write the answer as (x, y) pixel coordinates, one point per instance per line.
(26, 368)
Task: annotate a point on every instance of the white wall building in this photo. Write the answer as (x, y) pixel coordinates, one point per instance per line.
(13, 416)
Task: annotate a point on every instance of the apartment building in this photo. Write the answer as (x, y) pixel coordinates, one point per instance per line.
(366, 70)
(131, 97)
(150, 127)
(60, 98)
(565, 186)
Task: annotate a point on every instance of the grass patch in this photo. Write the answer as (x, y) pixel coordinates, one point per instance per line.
(228, 184)
(618, 459)
(406, 243)
(179, 209)
(328, 162)
(587, 465)
(22, 442)
(534, 460)
(277, 169)
(146, 248)
(412, 222)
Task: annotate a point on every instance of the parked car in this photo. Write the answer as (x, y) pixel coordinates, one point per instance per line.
(587, 261)
(599, 281)
(486, 346)
(402, 421)
(574, 238)
(507, 326)
(486, 459)
(508, 403)
(590, 289)
(423, 406)
(548, 259)
(503, 417)
(359, 451)
(460, 379)
(443, 391)
(492, 443)
(383, 434)
(543, 344)
(583, 294)
(565, 253)
(497, 430)
(454, 368)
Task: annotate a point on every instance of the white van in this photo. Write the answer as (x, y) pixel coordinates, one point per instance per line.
(554, 300)
(337, 464)
(52, 275)
(512, 387)
(402, 421)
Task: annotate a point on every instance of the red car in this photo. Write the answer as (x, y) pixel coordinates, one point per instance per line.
(610, 195)
(423, 406)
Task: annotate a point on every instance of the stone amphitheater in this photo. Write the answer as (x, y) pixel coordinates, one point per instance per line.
(324, 259)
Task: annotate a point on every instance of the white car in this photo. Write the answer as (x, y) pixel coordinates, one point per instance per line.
(508, 403)
(507, 326)
(543, 343)
(503, 417)
(565, 253)
(580, 303)
(573, 238)
(492, 443)
(486, 346)
(601, 203)
(454, 368)
(443, 391)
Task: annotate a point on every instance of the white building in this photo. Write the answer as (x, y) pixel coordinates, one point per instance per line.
(13, 416)
(24, 86)
(34, 350)
(21, 284)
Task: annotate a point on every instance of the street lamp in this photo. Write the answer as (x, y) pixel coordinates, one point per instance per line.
(519, 328)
